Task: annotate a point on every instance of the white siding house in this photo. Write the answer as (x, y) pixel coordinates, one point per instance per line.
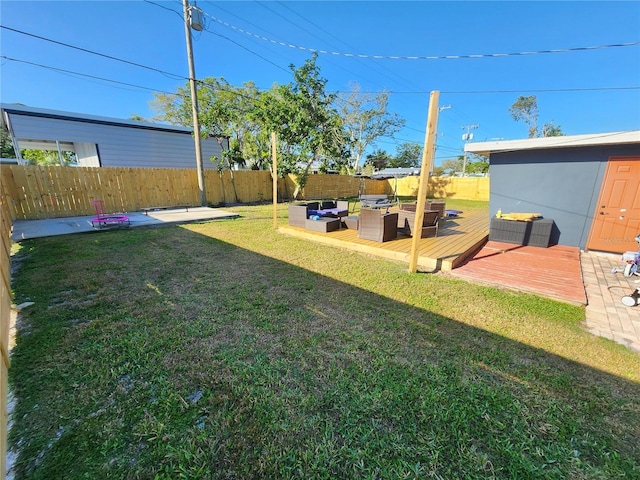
(107, 142)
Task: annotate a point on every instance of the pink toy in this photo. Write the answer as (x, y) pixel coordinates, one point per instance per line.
(105, 221)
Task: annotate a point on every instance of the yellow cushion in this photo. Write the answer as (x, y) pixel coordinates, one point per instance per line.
(523, 217)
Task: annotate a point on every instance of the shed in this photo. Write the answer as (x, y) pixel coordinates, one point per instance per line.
(107, 142)
(589, 185)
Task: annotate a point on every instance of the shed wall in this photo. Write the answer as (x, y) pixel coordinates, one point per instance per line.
(562, 184)
(118, 145)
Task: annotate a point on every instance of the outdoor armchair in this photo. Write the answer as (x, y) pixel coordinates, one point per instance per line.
(438, 205)
(407, 218)
(377, 226)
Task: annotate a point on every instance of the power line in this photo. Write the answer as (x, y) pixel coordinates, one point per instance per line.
(110, 57)
(520, 90)
(419, 57)
(208, 30)
(165, 8)
(380, 69)
(394, 92)
(70, 72)
(594, 89)
(247, 49)
(539, 90)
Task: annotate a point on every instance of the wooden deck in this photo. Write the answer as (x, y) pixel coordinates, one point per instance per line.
(553, 272)
(458, 239)
(461, 248)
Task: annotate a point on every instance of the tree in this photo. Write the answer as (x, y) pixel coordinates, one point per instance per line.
(551, 130)
(408, 155)
(453, 165)
(477, 163)
(526, 109)
(366, 119)
(223, 112)
(6, 146)
(378, 160)
(438, 171)
(308, 126)
(138, 118)
(47, 157)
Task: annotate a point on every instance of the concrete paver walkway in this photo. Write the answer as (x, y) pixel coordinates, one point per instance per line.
(606, 315)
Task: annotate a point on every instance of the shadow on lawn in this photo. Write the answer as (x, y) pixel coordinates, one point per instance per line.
(165, 351)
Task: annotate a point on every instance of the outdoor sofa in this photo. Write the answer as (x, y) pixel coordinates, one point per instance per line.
(299, 213)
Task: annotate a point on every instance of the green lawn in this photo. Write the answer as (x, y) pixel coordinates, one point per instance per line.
(226, 350)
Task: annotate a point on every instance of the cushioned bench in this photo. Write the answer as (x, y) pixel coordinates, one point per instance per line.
(329, 212)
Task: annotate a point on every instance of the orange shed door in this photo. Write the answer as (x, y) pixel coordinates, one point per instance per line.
(617, 217)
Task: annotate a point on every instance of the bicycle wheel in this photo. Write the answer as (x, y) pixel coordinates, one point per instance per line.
(630, 269)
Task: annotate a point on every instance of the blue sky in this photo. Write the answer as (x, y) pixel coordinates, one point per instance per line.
(584, 91)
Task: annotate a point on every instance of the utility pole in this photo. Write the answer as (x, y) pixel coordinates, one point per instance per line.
(435, 140)
(466, 137)
(197, 25)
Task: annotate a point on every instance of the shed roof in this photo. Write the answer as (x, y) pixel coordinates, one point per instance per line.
(17, 109)
(565, 141)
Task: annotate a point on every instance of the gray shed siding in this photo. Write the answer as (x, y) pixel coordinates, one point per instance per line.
(562, 183)
(120, 145)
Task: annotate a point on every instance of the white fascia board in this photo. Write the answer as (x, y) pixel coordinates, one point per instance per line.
(613, 138)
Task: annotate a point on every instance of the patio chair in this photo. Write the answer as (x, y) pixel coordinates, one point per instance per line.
(407, 218)
(103, 220)
(438, 205)
(377, 226)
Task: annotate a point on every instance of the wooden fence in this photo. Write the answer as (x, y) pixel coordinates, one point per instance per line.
(5, 320)
(35, 192)
(463, 188)
(50, 192)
